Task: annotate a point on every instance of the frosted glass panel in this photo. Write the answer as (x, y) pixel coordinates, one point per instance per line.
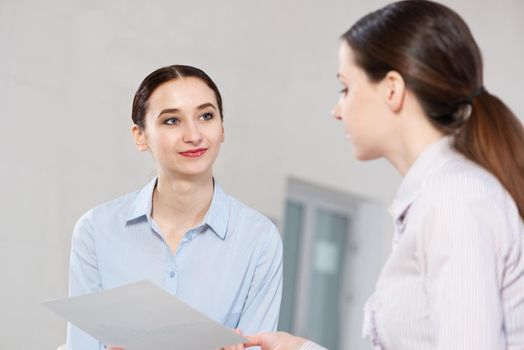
(292, 234)
(326, 277)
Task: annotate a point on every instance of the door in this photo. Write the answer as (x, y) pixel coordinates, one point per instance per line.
(318, 247)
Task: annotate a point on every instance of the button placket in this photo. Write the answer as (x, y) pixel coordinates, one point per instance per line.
(175, 261)
(171, 274)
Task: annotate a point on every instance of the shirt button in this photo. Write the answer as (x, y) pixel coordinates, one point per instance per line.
(172, 274)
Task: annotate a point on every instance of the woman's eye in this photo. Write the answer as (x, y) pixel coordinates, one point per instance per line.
(344, 91)
(171, 121)
(206, 116)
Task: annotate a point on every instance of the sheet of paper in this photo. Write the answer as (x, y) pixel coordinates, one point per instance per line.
(142, 316)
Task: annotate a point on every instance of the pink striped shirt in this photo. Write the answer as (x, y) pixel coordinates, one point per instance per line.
(455, 277)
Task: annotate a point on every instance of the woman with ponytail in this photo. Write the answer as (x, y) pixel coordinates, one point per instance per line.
(413, 92)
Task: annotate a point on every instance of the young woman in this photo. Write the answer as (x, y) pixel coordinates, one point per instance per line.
(413, 92)
(181, 231)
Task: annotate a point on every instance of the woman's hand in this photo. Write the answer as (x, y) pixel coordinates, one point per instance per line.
(267, 341)
(275, 341)
(232, 347)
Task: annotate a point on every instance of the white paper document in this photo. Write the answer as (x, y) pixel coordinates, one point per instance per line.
(142, 316)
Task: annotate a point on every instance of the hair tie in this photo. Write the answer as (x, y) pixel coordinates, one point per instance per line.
(476, 93)
(464, 108)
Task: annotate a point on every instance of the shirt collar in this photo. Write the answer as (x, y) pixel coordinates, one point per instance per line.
(216, 218)
(431, 159)
(143, 202)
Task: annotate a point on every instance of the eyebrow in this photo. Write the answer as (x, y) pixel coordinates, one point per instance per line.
(176, 110)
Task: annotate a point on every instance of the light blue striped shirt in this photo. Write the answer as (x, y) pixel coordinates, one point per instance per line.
(229, 267)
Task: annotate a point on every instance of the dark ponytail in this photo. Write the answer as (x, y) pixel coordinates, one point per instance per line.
(433, 49)
(494, 138)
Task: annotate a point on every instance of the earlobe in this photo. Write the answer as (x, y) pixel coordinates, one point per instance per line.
(140, 138)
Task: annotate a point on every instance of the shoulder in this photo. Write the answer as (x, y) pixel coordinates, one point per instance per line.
(461, 180)
(462, 199)
(108, 213)
(245, 213)
(252, 225)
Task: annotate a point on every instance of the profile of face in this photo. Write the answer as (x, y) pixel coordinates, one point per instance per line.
(365, 108)
(183, 128)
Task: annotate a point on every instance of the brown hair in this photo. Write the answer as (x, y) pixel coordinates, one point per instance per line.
(434, 51)
(160, 76)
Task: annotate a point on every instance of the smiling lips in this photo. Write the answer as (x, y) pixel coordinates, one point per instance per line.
(194, 153)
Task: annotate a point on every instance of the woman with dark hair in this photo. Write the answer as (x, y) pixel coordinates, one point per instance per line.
(413, 92)
(181, 231)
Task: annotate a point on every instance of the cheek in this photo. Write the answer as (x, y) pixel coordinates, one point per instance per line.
(361, 108)
(163, 140)
(215, 133)
(350, 111)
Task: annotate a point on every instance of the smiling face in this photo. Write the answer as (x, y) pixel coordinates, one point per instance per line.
(183, 128)
(363, 108)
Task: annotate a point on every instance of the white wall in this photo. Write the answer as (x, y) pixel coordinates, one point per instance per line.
(68, 72)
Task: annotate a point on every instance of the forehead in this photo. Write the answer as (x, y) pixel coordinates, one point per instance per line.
(182, 93)
(346, 60)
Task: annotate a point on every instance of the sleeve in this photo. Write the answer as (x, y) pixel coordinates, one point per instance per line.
(84, 278)
(309, 345)
(462, 281)
(262, 306)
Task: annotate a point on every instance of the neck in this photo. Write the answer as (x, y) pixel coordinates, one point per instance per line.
(417, 135)
(182, 199)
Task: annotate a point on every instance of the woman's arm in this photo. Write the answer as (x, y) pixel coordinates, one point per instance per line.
(260, 312)
(462, 280)
(84, 278)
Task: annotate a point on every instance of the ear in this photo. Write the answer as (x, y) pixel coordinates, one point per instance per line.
(140, 138)
(222, 137)
(395, 91)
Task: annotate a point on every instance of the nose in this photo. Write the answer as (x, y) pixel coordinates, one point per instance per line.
(192, 134)
(335, 114)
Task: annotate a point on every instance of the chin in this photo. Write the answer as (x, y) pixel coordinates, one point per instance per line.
(195, 172)
(362, 155)
(190, 171)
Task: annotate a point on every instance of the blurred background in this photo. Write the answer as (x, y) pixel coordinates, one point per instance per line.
(68, 73)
